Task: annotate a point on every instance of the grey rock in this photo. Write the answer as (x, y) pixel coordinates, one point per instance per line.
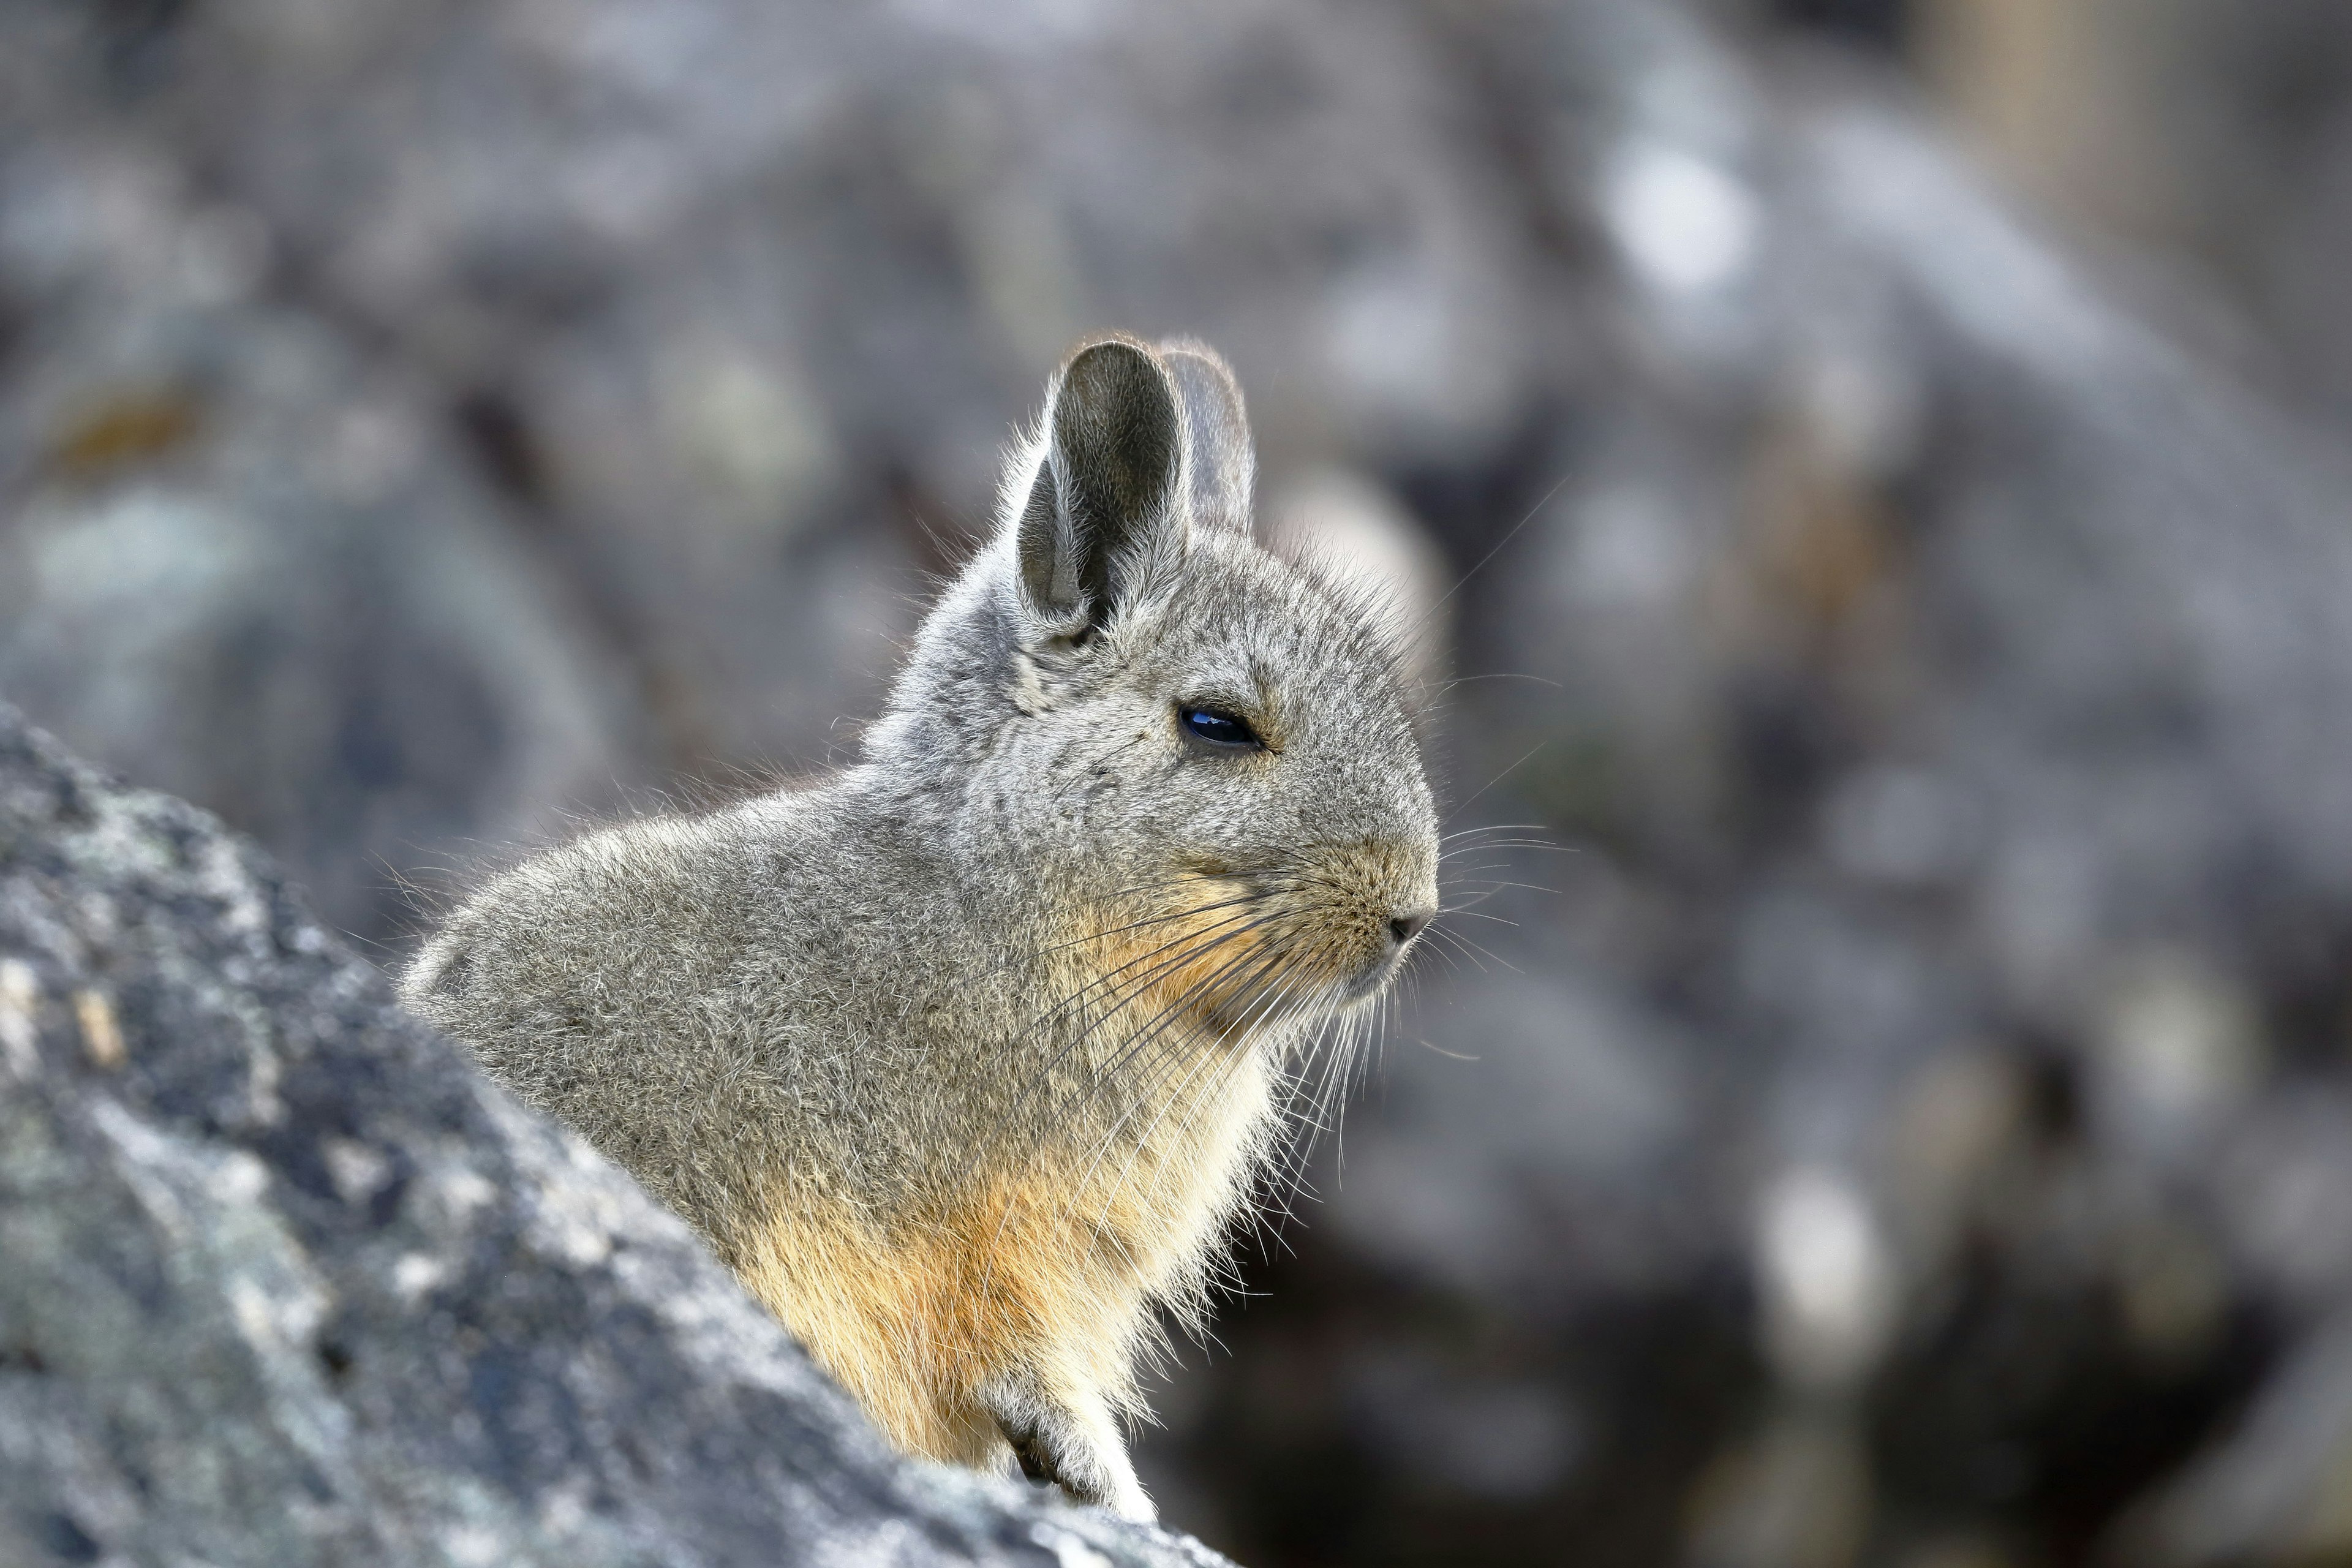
(287, 1282)
(242, 559)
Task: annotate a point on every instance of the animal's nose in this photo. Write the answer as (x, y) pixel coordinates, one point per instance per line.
(1404, 927)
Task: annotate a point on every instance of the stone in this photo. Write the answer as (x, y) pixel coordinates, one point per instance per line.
(285, 1281)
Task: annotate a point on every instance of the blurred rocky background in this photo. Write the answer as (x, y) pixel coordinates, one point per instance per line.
(1875, 475)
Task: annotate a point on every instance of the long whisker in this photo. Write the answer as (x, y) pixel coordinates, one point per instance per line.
(1486, 844)
(1111, 979)
(1159, 1025)
(1494, 827)
(1502, 675)
(1137, 1099)
(1464, 806)
(1459, 582)
(1145, 925)
(1202, 944)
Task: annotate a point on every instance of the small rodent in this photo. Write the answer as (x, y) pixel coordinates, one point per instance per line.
(964, 1057)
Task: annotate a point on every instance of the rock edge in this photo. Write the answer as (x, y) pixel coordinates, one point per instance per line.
(288, 1281)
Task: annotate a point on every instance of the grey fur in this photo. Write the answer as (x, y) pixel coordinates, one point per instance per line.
(856, 998)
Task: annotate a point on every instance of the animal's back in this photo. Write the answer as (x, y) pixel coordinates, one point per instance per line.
(658, 985)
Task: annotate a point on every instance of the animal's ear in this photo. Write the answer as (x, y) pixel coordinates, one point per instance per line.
(1102, 523)
(1220, 466)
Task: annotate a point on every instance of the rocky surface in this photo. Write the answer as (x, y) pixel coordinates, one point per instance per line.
(287, 1282)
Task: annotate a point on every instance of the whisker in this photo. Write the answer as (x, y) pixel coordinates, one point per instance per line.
(1487, 844)
(1142, 1095)
(1144, 924)
(1498, 778)
(1486, 952)
(1063, 1007)
(1494, 827)
(1502, 675)
(1459, 582)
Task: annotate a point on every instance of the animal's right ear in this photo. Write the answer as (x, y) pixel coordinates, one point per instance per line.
(1220, 465)
(1103, 523)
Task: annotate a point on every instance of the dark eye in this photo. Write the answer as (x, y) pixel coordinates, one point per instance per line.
(1220, 729)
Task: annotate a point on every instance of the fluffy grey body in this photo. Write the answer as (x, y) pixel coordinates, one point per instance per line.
(965, 1057)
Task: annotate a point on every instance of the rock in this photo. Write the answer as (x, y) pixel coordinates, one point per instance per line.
(287, 1282)
(242, 559)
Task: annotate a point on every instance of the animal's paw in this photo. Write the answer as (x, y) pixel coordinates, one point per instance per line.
(1054, 1446)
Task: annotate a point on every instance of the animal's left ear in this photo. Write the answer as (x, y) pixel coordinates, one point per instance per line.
(1220, 466)
(1102, 524)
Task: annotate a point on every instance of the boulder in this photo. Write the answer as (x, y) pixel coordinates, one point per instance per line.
(288, 1282)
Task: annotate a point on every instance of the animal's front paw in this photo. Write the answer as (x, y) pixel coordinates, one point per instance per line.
(1054, 1447)
(1129, 1502)
(1029, 1451)
(1110, 1486)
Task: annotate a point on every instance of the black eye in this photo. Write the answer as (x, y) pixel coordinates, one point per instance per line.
(1220, 729)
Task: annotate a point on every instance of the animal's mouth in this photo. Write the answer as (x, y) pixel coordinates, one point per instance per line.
(1369, 982)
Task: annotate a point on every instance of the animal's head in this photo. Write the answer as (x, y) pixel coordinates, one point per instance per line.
(1205, 751)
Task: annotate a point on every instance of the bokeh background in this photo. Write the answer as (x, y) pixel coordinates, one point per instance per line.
(1879, 467)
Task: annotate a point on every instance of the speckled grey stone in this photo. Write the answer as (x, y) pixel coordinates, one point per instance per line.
(284, 1281)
